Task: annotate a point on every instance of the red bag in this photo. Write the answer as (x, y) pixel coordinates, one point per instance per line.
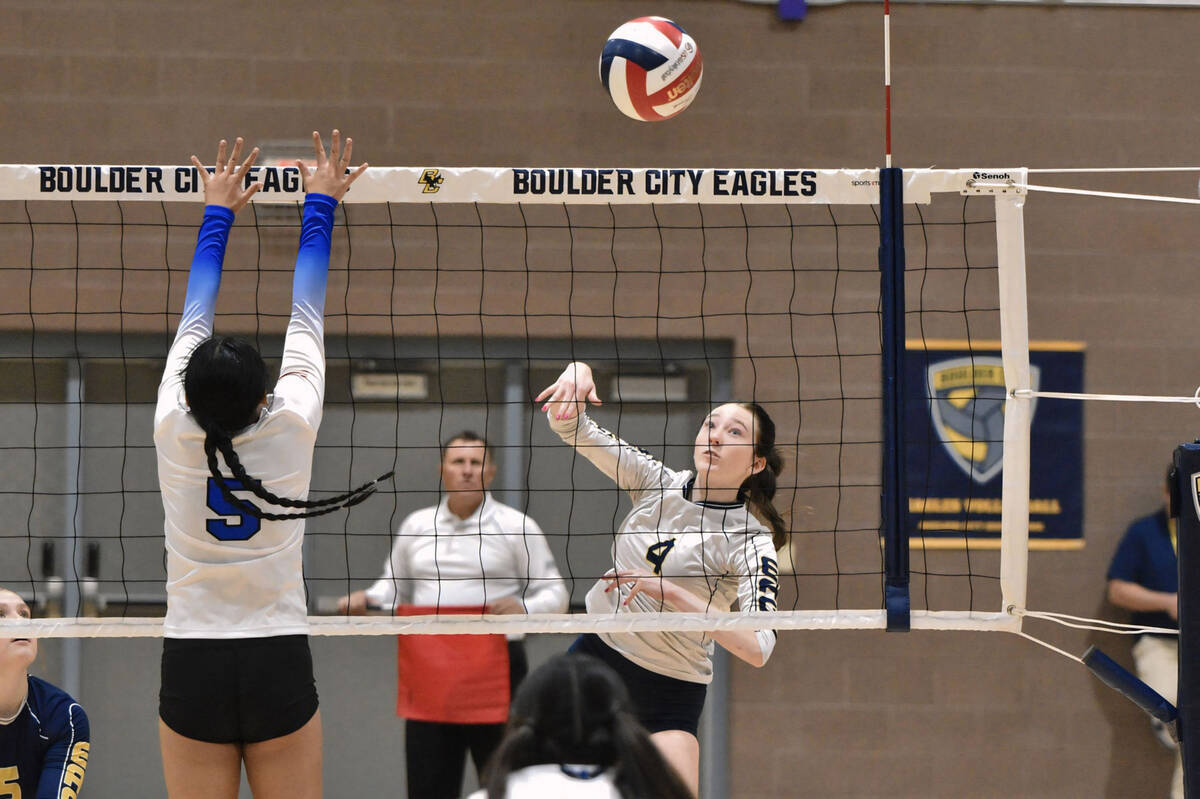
(461, 679)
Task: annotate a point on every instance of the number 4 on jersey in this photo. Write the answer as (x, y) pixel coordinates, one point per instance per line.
(657, 553)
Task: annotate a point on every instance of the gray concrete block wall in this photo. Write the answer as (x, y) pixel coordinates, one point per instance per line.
(512, 82)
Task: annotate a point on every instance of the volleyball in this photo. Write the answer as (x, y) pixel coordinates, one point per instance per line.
(651, 68)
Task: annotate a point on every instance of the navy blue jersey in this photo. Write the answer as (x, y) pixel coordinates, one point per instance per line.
(1146, 556)
(44, 751)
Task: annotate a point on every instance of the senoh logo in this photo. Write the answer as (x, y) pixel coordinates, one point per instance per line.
(991, 176)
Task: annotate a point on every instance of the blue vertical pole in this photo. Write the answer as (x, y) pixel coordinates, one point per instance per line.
(893, 501)
(1185, 504)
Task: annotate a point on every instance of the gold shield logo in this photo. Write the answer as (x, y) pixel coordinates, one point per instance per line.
(966, 402)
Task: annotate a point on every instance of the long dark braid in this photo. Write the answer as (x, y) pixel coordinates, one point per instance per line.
(224, 381)
(759, 488)
(319, 507)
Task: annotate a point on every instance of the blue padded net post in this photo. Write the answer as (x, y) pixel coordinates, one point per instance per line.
(1185, 504)
(1117, 677)
(891, 300)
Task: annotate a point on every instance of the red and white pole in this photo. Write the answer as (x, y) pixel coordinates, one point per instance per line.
(887, 83)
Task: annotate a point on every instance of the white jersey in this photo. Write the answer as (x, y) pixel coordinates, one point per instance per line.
(551, 780)
(441, 560)
(230, 575)
(717, 551)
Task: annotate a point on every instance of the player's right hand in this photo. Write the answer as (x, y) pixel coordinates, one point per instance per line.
(224, 186)
(570, 393)
(331, 176)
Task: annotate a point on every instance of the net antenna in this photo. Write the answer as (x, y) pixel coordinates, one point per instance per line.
(746, 284)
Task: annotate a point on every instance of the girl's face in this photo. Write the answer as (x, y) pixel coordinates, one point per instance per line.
(20, 650)
(724, 452)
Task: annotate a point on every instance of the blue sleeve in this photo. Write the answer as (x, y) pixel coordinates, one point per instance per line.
(199, 305)
(204, 279)
(67, 758)
(1129, 560)
(312, 258)
(301, 384)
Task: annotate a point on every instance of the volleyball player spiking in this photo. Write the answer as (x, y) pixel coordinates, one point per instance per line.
(234, 466)
(694, 541)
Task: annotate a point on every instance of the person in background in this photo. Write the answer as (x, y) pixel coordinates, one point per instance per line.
(467, 554)
(573, 733)
(44, 735)
(1144, 578)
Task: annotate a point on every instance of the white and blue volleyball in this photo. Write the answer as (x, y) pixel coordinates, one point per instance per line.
(651, 68)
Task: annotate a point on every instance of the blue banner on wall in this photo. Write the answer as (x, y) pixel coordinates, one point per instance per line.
(954, 415)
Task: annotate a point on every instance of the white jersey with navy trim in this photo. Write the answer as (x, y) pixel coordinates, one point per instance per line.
(441, 560)
(719, 552)
(230, 575)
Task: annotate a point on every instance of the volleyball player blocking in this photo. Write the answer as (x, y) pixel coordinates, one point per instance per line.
(234, 467)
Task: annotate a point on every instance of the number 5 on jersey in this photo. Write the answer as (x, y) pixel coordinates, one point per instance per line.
(242, 528)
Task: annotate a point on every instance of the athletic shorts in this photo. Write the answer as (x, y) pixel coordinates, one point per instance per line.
(660, 702)
(237, 690)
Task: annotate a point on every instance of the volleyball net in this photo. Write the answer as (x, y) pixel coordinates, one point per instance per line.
(455, 295)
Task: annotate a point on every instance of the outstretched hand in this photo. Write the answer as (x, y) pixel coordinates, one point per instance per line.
(224, 186)
(331, 176)
(571, 392)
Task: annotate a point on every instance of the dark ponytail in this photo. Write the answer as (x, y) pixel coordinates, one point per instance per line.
(575, 709)
(759, 488)
(224, 382)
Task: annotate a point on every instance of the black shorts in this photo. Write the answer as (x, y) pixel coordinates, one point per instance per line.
(237, 690)
(660, 702)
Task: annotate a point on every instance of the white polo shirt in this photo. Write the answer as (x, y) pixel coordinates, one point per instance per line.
(441, 560)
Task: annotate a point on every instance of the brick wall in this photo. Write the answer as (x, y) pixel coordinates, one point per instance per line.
(513, 82)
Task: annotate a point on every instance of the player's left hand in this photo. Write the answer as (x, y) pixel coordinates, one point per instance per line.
(634, 582)
(331, 175)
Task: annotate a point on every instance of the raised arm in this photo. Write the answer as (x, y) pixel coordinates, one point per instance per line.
(302, 371)
(632, 469)
(224, 195)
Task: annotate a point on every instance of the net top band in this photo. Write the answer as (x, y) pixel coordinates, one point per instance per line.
(509, 185)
